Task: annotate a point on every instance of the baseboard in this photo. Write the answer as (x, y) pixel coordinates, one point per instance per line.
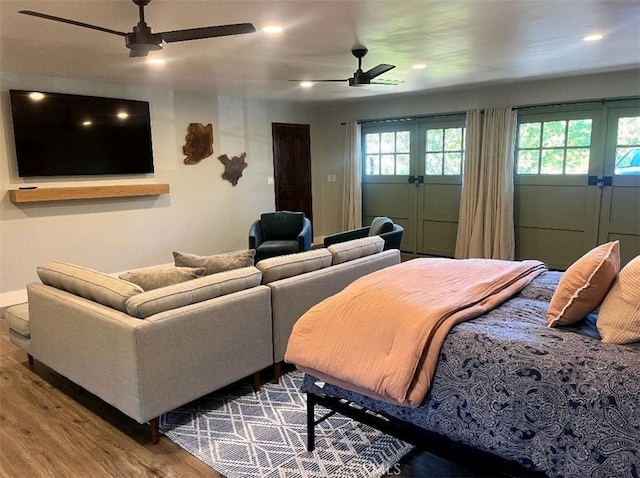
(11, 298)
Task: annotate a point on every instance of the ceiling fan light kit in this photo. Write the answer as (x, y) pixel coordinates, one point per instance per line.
(142, 40)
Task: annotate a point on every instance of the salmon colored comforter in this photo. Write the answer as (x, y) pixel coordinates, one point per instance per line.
(382, 334)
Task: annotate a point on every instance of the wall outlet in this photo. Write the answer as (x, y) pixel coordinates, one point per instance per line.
(269, 179)
(331, 178)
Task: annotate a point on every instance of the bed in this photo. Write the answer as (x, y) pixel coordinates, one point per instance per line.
(556, 401)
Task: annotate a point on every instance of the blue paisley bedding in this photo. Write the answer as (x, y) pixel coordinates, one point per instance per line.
(557, 401)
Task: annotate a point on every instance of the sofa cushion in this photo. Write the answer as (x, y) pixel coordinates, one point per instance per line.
(149, 279)
(281, 225)
(290, 265)
(619, 316)
(217, 263)
(584, 285)
(350, 250)
(93, 285)
(380, 225)
(17, 318)
(204, 288)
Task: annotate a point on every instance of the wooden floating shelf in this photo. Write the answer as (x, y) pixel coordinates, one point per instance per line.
(20, 196)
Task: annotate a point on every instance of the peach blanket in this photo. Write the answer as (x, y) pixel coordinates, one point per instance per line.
(382, 334)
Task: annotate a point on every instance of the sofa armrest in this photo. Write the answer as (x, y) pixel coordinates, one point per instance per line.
(255, 235)
(346, 236)
(304, 238)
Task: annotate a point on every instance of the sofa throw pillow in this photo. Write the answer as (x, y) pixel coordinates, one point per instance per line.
(93, 285)
(149, 279)
(380, 225)
(217, 263)
(584, 285)
(619, 316)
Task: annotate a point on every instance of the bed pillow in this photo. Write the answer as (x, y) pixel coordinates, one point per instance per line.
(584, 285)
(619, 316)
(218, 263)
(149, 279)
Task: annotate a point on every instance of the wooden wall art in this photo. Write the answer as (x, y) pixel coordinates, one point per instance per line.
(233, 167)
(199, 143)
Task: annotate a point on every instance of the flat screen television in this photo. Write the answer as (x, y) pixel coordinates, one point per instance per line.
(59, 134)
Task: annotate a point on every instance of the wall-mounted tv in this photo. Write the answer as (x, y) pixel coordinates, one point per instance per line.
(70, 135)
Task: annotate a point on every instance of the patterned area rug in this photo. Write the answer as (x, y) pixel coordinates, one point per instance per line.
(242, 434)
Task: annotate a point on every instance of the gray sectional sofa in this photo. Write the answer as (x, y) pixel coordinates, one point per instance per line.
(149, 352)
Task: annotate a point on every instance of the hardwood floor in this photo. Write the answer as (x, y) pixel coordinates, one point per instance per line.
(50, 427)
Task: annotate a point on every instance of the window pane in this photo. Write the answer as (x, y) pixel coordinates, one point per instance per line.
(388, 163)
(434, 140)
(372, 142)
(453, 139)
(387, 142)
(528, 162)
(577, 161)
(552, 160)
(403, 141)
(579, 133)
(553, 133)
(629, 131)
(402, 164)
(433, 164)
(372, 165)
(529, 135)
(452, 163)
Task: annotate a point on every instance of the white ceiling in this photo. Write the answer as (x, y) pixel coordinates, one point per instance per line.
(460, 41)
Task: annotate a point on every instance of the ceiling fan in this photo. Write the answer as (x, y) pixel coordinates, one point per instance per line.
(141, 40)
(362, 78)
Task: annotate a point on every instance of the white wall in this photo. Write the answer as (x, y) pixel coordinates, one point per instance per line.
(203, 214)
(328, 142)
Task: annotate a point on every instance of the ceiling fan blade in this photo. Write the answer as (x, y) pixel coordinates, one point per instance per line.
(207, 32)
(378, 70)
(387, 82)
(71, 22)
(322, 81)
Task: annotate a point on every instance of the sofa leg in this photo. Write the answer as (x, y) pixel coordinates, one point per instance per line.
(30, 360)
(155, 430)
(256, 381)
(276, 372)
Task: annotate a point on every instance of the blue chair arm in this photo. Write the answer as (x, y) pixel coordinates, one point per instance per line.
(255, 235)
(346, 236)
(393, 238)
(304, 238)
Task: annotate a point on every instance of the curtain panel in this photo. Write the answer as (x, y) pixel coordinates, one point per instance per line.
(485, 224)
(352, 184)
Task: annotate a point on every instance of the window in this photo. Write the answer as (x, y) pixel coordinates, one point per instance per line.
(444, 153)
(387, 153)
(628, 146)
(554, 147)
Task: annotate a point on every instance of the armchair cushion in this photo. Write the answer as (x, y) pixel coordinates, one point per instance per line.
(217, 263)
(380, 225)
(281, 225)
(174, 296)
(90, 284)
(149, 279)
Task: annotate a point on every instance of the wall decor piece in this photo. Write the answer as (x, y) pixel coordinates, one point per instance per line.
(199, 143)
(233, 167)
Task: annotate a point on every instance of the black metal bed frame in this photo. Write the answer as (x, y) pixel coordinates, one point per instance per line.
(423, 439)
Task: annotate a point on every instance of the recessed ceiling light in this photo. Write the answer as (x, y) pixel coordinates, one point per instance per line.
(306, 84)
(594, 37)
(87, 123)
(419, 66)
(36, 96)
(123, 115)
(155, 61)
(272, 29)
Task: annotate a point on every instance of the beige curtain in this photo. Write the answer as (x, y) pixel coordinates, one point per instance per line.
(352, 185)
(485, 224)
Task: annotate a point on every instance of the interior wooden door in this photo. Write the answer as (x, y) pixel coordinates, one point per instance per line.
(292, 167)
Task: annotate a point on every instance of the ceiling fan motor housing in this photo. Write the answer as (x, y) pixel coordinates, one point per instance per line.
(142, 35)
